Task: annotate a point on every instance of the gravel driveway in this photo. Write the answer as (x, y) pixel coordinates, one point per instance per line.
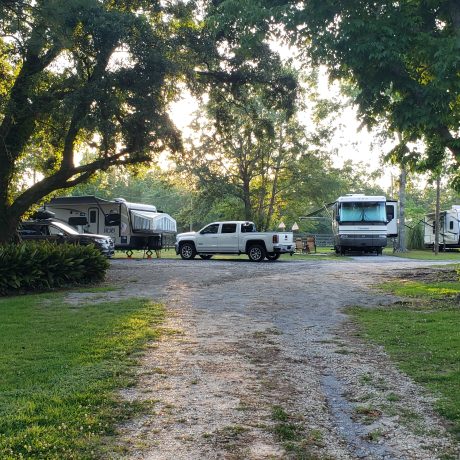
(257, 352)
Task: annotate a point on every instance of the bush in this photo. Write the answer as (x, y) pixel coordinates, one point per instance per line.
(415, 237)
(38, 266)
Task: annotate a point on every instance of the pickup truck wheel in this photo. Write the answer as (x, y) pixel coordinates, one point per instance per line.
(256, 253)
(187, 251)
(205, 256)
(272, 256)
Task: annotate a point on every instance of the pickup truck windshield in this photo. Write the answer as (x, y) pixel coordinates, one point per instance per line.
(363, 212)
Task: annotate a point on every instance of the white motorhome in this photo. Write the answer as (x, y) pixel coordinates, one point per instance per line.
(363, 223)
(449, 229)
(130, 225)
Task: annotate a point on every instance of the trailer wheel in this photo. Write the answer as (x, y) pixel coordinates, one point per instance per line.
(256, 253)
(205, 256)
(273, 255)
(187, 251)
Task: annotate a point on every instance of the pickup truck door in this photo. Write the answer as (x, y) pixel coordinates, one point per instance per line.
(207, 239)
(228, 238)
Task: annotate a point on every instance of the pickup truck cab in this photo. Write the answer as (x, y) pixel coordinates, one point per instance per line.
(234, 237)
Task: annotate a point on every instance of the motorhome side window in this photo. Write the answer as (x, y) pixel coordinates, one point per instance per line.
(92, 217)
(390, 213)
(451, 225)
(228, 228)
(213, 228)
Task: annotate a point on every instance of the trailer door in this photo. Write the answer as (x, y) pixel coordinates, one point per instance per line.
(93, 220)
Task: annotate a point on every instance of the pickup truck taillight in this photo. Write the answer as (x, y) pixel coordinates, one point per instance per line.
(275, 239)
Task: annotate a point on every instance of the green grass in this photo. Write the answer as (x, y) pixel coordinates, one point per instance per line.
(424, 254)
(59, 369)
(435, 290)
(423, 338)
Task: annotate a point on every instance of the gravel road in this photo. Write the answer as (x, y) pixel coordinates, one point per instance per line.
(256, 352)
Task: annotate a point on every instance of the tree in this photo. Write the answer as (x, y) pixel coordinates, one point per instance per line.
(402, 60)
(97, 77)
(246, 146)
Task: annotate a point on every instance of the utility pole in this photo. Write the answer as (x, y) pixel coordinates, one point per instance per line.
(437, 217)
(402, 210)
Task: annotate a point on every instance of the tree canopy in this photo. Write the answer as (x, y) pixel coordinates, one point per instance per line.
(400, 59)
(84, 79)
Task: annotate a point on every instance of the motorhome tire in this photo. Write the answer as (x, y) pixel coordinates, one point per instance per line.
(272, 256)
(205, 256)
(187, 251)
(256, 253)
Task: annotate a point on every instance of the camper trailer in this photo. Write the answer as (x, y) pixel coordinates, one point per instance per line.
(449, 229)
(130, 225)
(363, 223)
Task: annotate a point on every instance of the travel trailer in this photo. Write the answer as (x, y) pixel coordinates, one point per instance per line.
(130, 225)
(449, 229)
(363, 223)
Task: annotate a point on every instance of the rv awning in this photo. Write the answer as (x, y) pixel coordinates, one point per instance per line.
(149, 222)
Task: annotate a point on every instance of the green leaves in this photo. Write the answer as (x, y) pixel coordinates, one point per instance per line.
(37, 266)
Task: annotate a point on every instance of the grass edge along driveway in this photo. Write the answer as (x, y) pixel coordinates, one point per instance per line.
(60, 367)
(422, 336)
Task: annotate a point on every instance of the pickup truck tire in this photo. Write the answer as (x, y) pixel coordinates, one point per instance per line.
(272, 256)
(256, 253)
(205, 256)
(187, 251)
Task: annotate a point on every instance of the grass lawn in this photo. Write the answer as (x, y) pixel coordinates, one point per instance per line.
(424, 254)
(423, 338)
(60, 367)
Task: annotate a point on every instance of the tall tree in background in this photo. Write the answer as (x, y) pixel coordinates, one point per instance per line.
(403, 59)
(92, 76)
(246, 146)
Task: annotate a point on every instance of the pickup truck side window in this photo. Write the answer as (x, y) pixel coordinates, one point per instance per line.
(248, 228)
(213, 228)
(228, 228)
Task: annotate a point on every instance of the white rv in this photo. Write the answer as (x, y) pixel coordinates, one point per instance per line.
(130, 225)
(363, 223)
(449, 229)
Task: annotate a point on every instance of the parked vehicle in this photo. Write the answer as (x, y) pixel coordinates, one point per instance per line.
(363, 223)
(234, 237)
(56, 231)
(130, 225)
(449, 229)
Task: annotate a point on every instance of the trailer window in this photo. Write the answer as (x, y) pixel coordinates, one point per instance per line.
(92, 217)
(451, 225)
(112, 219)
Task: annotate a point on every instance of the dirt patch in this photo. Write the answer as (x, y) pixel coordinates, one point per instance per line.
(248, 341)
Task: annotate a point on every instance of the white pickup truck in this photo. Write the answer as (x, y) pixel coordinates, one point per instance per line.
(234, 237)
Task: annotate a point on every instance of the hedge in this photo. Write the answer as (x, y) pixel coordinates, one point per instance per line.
(39, 266)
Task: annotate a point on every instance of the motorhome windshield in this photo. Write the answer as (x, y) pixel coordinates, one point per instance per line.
(372, 212)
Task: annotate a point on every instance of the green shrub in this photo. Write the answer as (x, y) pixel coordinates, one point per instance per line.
(415, 237)
(38, 266)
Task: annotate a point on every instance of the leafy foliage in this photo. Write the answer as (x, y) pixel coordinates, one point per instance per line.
(38, 266)
(88, 84)
(400, 59)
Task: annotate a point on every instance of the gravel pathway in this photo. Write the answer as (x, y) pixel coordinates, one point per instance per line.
(258, 352)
